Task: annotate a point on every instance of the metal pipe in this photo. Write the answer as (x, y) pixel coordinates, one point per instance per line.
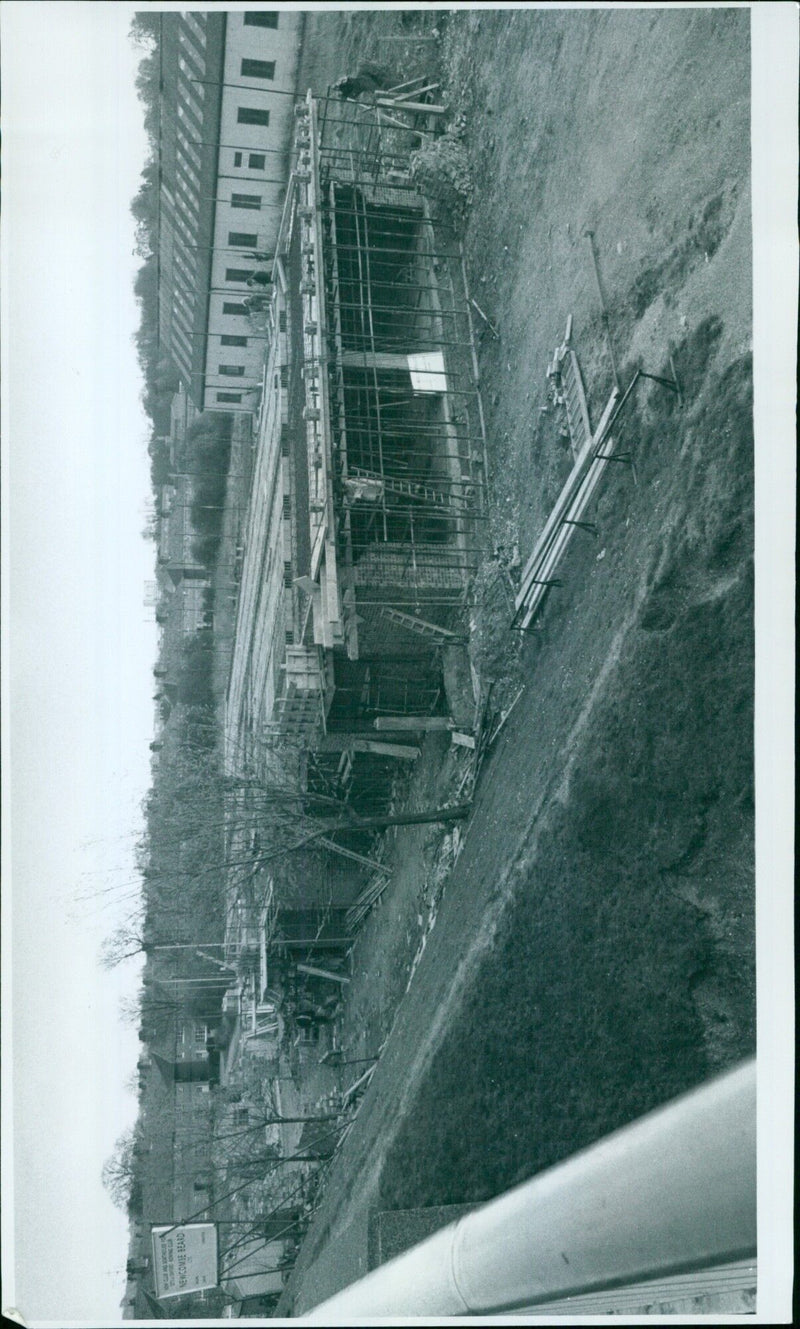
(672, 1192)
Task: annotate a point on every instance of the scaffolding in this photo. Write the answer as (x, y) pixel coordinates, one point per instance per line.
(380, 444)
(408, 441)
(379, 313)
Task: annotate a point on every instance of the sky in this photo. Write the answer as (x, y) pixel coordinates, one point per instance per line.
(79, 643)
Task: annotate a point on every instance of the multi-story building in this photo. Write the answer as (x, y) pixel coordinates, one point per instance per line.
(226, 113)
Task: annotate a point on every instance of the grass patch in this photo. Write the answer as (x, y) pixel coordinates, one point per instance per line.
(579, 1020)
(600, 997)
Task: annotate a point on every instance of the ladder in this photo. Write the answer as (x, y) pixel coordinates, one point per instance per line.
(457, 504)
(432, 631)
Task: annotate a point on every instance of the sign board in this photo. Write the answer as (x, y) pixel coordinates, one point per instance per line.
(185, 1258)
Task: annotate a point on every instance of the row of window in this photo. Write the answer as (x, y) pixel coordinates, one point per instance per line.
(256, 161)
(201, 1033)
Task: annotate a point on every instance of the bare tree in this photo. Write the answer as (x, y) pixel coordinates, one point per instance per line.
(118, 1170)
(125, 942)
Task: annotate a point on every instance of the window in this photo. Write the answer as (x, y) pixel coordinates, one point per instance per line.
(287, 505)
(261, 18)
(237, 158)
(287, 575)
(281, 320)
(257, 161)
(232, 397)
(237, 274)
(250, 115)
(289, 637)
(229, 307)
(232, 371)
(227, 340)
(241, 1116)
(242, 238)
(246, 201)
(201, 1034)
(258, 68)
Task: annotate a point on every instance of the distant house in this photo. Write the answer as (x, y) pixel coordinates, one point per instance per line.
(194, 1058)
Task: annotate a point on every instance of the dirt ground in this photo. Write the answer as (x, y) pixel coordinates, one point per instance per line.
(593, 947)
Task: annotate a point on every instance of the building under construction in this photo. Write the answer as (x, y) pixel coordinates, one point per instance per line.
(368, 508)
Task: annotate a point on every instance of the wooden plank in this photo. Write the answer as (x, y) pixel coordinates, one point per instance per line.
(425, 722)
(400, 750)
(565, 534)
(317, 615)
(462, 740)
(332, 584)
(401, 98)
(325, 622)
(321, 973)
(409, 83)
(422, 107)
(564, 500)
(316, 553)
(375, 360)
(362, 1079)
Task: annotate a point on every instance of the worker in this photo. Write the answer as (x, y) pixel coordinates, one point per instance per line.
(370, 78)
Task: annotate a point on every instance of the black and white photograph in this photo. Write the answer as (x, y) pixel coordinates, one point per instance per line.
(398, 519)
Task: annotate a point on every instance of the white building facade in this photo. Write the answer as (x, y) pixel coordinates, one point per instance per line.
(260, 67)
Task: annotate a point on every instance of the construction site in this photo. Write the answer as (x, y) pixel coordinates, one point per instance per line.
(486, 704)
(370, 448)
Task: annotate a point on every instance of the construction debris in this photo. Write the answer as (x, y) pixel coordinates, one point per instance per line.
(486, 320)
(566, 390)
(500, 720)
(362, 1080)
(369, 896)
(476, 752)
